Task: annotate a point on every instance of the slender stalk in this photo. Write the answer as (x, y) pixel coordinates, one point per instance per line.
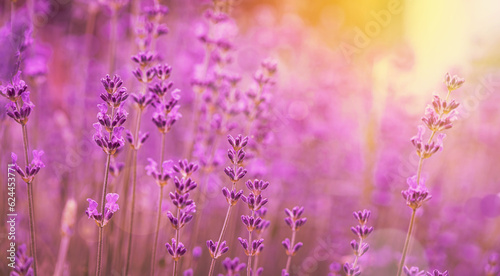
(177, 239)
(61, 258)
(134, 183)
(289, 260)
(158, 219)
(114, 27)
(224, 228)
(31, 203)
(256, 263)
(407, 243)
(249, 264)
(103, 197)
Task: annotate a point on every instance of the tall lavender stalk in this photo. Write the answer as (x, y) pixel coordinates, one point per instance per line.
(255, 201)
(294, 221)
(142, 100)
(165, 116)
(259, 231)
(185, 208)
(110, 121)
(439, 116)
(235, 173)
(19, 108)
(360, 247)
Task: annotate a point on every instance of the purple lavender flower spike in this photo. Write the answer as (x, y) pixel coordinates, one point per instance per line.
(28, 175)
(294, 221)
(454, 82)
(111, 207)
(351, 270)
(413, 271)
(362, 216)
(176, 250)
(22, 262)
(437, 273)
(416, 194)
(212, 246)
(492, 268)
(111, 85)
(359, 247)
(233, 267)
(161, 178)
(14, 91)
(20, 113)
(92, 209)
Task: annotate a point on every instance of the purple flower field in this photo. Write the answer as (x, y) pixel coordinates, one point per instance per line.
(249, 137)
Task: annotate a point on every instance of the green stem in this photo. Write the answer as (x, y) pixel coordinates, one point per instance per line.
(224, 228)
(158, 220)
(177, 240)
(289, 260)
(157, 230)
(103, 197)
(31, 203)
(407, 243)
(134, 184)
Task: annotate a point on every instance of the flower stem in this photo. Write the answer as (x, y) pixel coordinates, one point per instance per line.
(31, 203)
(407, 243)
(177, 239)
(224, 228)
(112, 50)
(61, 258)
(289, 260)
(249, 264)
(103, 197)
(153, 260)
(134, 182)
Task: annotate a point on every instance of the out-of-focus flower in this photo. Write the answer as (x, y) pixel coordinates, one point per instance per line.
(23, 263)
(161, 176)
(413, 271)
(454, 82)
(437, 273)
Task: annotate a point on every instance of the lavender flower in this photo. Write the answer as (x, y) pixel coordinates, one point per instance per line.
(32, 169)
(439, 116)
(232, 267)
(492, 268)
(110, 208)
(110, 121)
(454, 82)
(161, 176)
(255, 202)
(360, 247)
(184, 205)
(295, 222)
(176, 250)
(413, 271)
(215, 249)
(416, 194)
(23, 263)
(437, 273)
(232, 196)
(335, 269)
(20, 112)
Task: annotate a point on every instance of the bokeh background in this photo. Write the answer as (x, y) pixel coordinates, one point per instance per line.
(354, 78)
